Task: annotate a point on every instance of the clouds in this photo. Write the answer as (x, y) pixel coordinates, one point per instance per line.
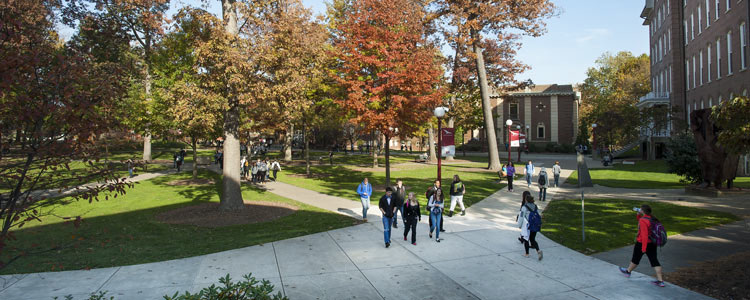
(592, 34)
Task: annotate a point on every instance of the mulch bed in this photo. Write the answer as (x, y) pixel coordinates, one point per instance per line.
(726, 278)
(209, 215)
(184, 182)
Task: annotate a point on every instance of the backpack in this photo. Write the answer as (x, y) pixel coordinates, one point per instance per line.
(535, 220)
(657, 234)
(542, 180)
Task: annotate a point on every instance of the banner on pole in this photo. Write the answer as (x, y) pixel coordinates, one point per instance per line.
(448, 148)
(515, 138)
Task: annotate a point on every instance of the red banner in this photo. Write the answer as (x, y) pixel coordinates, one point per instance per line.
(514, 138)
(447, 136)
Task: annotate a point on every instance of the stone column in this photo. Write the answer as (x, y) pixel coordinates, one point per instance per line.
(554, 113)
(527, 117)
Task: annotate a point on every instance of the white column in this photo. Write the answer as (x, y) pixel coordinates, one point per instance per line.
(527, 116)
(553, 119)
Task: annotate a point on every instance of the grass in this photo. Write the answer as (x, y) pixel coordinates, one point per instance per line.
(651, 174)
(123, 231)
(342, 181)
(611, 223)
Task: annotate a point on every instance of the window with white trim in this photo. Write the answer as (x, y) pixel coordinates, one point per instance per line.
(744, 93)
(692, 27)
(729, 53)
(700, 59)
(700, 18)
(708, 61)
(702, 107)
(670, 78)
(729, 5)
(710, 102)
(708, 14)
(694, 81)
(687, 74)
(743, 46)
(540, 131)
(717, 9)
(686, 31)
(718, 58)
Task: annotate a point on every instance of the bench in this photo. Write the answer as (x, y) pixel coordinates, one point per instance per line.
(203, 160)
(422, 158)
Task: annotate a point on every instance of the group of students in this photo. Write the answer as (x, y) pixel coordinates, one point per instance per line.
(396, 200)
(259, 169)
(509, 171)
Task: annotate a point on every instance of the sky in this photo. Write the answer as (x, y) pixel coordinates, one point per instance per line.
(583, 31)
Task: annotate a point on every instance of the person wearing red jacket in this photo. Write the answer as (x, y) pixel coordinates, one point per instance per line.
(645, 246)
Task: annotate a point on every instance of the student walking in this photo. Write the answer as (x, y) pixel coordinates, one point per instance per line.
(458, 189)
(364, 190)
(254, 172)
(510, 172)
(412, 216)
(243, 166)
(130, 164)
(543, 182)
(556, 171)
(436, 205)
(275, 167)
(529, 171)
(530, 223)
(388, 207)
(524, 195)
(428, 194)
(645, 244)
(399, 193)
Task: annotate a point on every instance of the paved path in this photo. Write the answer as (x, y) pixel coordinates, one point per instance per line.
(479, 258)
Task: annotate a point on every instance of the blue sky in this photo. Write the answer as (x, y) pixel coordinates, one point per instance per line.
(583, 31)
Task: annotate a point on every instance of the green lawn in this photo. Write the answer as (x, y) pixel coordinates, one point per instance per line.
(122, 231)
(611, 223)
(650, 174)
(342, 181)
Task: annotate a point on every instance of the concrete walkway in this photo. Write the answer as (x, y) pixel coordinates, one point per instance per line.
(479, 258)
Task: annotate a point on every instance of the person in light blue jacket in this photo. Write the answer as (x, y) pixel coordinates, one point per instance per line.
(365, 192)
(529, 173)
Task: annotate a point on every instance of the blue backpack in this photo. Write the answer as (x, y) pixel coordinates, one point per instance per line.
(535, 220)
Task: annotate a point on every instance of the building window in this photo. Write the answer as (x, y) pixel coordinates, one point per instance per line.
(670, 78)
(702, 104)
(687, 74)
(744, 93)
(540, 131)
(692, 27)
(716, 11)
(694, 81)
(513, 111)
(700, 17)
(729, 53)
(686, 32)
(708, 14)
(710, 102)
(708, 61)
(729, 5)
(743, 46)
(718, 58)
(700, 58)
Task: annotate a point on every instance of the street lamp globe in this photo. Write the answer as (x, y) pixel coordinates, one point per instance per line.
(440, 112)
(593, 125)
(509, 122)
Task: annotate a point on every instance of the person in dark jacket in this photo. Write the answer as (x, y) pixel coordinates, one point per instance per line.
(429, 193)
(457, 195)
(412, 216)
(644, 245)
(399, 193)
(387, 206)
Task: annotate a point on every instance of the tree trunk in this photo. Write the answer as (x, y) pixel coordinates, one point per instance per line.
(431, 144)
(307, 149)
(288, 142)
(489, 123)
(231, 196)
(451, 122)
(387, 161)
(147, 136)
(374, 156)
(194, 144)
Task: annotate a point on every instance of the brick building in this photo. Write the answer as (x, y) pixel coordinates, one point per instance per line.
(546, 113)
(699, 57)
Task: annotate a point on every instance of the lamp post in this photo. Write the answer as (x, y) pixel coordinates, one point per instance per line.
(519, 141)
(594, 151)
(509, 122)
(439, 114)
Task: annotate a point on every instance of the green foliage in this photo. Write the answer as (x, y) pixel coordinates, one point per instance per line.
(101, 295)
(583, 134)
(246, 289)
(611, 223)
(734, 120)
(682, 158)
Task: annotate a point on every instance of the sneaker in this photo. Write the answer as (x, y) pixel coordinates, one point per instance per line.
(387, 245)
(625, 272)
(415, 243)
(430, 234)
(404, 238)
(658, 283)
(364, 220)
(450, 214)
(437, 240)
(520, 240)
(442, 230)
(463, 212)
(541, 254)
(395, 225)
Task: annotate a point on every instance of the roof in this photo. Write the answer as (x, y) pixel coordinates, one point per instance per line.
(545, 90)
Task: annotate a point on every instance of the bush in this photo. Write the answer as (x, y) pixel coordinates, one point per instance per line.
(682, 158)
(242, 290)
(550, 147)
(476, 145)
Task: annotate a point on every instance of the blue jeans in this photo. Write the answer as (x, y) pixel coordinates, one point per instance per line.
(130, 171)
(528, 178)
(542, 194)
(365, 206)
(387, 228)
(557, 180)
(395, 215)
(435, 218)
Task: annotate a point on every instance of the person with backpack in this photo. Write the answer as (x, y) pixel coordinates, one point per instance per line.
(651, 234)
(254, 171)
(529, 172)
(510, 172)
(180, 159)
(524, 195)
(436, 205)
(530, 223)
(428, 194)
(388, 207)
(556, 172)
(275, 167)
(457, 195)
(412, 216)
(364, 190)
(543, 182)
(399, 194)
